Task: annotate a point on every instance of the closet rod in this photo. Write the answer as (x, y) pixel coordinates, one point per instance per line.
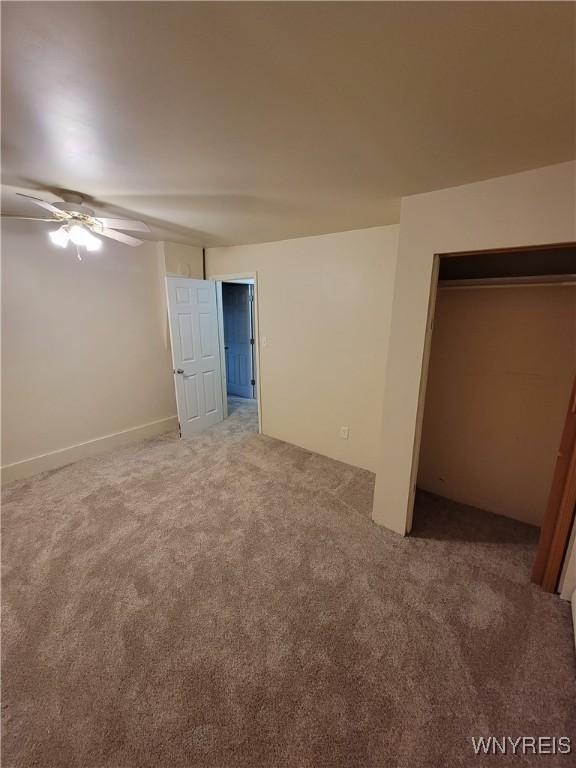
(509, 282)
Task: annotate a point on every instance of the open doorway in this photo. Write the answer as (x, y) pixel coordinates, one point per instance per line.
(212, 383)
(501, 366)
(237, 297)
(239, 339)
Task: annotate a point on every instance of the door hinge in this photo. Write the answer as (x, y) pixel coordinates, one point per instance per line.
(251, 341)
(253, 382)
(179, 429)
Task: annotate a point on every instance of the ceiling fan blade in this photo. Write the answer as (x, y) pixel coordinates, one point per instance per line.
(42, 203)
(28, 218)
(120, 236)
(135, 226)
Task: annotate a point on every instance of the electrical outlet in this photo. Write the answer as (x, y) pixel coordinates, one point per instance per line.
(344, 432)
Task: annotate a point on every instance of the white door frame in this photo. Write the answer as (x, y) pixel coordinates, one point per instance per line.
(219, 279)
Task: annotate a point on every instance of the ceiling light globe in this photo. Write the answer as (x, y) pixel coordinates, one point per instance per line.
(59, 237)
(93, 244)
(79, 235)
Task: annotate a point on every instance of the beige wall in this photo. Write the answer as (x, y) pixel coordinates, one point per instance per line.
(183, 260)
(532, 208)
(501, 370)
(324, 308)
(84, 349)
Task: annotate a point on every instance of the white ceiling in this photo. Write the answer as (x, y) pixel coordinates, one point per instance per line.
(244, 122)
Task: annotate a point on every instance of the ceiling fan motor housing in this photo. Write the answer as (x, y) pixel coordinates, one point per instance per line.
(74, 208)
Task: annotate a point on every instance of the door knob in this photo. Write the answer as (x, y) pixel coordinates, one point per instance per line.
(179, 370)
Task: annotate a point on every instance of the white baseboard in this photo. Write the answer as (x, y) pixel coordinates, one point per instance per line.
(28, 467)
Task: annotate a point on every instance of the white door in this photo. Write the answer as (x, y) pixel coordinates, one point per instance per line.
(195, 352)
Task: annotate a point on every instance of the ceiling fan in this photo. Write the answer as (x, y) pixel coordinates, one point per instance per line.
(79, 225)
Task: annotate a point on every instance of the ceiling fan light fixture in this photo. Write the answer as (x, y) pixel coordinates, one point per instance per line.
(59, 237)
(81, 236)
(79, 224)
(94, 244)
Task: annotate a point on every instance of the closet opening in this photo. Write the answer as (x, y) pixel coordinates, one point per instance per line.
(499, 386)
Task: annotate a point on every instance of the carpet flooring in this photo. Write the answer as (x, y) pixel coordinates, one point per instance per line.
(227, 602)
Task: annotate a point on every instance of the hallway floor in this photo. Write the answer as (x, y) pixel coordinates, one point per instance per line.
(248, 408)
(227, 601)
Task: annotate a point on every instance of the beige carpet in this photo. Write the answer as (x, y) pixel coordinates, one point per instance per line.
(227, 602)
